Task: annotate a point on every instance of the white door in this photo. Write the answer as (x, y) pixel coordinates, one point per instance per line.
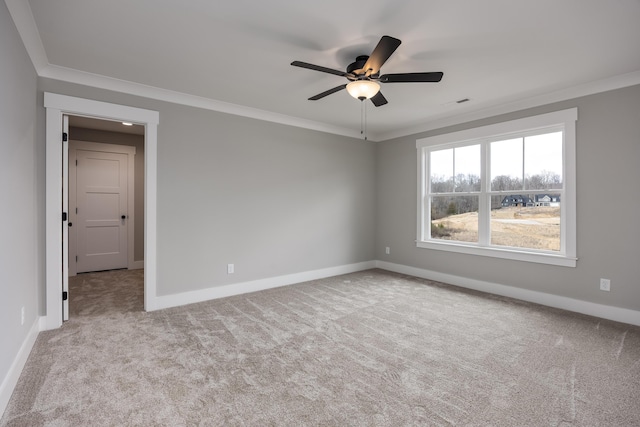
(101, 218)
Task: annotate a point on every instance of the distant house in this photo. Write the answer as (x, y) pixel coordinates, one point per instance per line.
(547, 199)
(525, 201)
(517, 200)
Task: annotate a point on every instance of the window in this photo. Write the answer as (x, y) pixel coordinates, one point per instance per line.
(505, 190)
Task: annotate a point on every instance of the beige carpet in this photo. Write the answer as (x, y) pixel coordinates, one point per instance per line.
(365, 349)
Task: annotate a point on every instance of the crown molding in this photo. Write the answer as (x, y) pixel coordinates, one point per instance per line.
(498, 108)
(108, 83)
(117, 85)
(22, 16)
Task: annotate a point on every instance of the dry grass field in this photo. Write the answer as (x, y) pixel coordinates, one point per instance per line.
(524, 227)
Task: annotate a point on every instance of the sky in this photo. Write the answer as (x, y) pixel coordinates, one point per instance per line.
(542, 153)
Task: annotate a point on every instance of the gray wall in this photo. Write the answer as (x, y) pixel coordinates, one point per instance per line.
(22, 234)
(118, 138)
(608, 207)
(269, 198)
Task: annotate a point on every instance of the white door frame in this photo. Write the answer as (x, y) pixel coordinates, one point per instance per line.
(130, 151)
(65, 230)
(57, 106)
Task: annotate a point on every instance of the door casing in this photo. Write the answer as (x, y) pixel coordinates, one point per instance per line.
(56, 107)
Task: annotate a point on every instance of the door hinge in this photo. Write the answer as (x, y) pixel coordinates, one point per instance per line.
(76, 258)
(65, 295)
(64, 216)
(65, 137)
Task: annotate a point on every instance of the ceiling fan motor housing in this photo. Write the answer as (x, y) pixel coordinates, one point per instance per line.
(356, 67)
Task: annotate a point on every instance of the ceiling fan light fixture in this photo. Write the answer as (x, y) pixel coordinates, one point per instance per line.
(363, 89)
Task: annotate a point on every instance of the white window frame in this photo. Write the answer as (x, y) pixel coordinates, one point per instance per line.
(565, 120)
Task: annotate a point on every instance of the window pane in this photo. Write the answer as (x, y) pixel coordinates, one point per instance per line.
(441, 171)
(517, 212)
(467, 168)
(454, 218)
(506, 165)
(543, 161)
(526, 221)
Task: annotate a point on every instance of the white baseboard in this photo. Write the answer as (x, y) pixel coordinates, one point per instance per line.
(166, 301)
(11, 379)
(598, 310)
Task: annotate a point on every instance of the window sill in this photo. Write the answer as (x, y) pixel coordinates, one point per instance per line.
(511, 254)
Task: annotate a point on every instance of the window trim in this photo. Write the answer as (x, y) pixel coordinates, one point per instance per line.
(567, 257)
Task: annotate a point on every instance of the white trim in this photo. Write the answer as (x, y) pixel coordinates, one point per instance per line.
(501, 107)
(130, 151)
(150, 214)
(123, 86)
(11, 379)
(567, 257)
(617, 314)
(516, 254)
(449, 119)
(216, 292)
(53, 224)
(502, 128)
(56, 106)
(65, 208)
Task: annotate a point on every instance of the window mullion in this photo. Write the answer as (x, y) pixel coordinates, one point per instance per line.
(424, 190)
(524, 183)
(484, 203)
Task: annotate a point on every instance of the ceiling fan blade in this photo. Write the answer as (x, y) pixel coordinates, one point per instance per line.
(319, 68)
(378, 99)
(433, 77)
(327, 92)
(386, 46)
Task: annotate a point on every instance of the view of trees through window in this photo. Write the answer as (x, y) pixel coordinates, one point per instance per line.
(524, 194)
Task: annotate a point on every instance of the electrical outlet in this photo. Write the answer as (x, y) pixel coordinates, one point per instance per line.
(387, 250)
(230, 269)
(605, 285)
(22, 316)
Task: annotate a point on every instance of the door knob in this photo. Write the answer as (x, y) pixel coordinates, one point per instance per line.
(123, 217)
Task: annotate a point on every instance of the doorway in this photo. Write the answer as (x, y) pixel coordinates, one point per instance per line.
(106, 195)
(56, 225)
(101, 190)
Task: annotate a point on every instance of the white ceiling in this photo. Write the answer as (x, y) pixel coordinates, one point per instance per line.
(235, 55)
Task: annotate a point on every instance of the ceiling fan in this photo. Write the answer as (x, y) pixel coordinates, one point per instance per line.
(364, 74)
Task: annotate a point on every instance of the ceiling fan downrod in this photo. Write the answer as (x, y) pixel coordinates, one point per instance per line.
(363, 117)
